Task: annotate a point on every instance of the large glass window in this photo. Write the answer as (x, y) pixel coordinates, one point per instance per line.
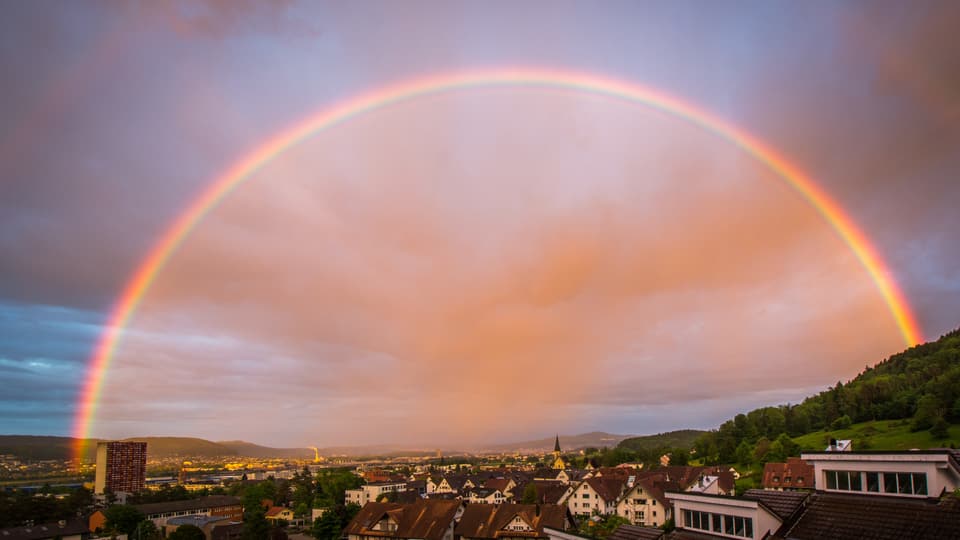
(831, 479)
(889, 482)
(717, 522)
(919, 484)
(873, 482)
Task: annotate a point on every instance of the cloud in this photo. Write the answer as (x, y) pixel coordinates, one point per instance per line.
(378, 300)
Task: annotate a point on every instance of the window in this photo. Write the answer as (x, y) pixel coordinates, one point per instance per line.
(873, 482)
(905, 483)
(844, 480)
(889, 482)
(719, 523)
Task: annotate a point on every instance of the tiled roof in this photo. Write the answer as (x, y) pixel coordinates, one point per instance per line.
(831, 515)
(213, 501)
(634, 532)
(800, 473)
(497, 483)
(487, 521)
(608, 487)
(44, 531)
(427, 520)
(781, 503)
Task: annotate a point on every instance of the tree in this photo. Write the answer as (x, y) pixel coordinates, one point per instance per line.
(745, 453)
(927, 413)
(122, 518)
(146, 530)
(187, 532)
(940, 429)
(330, 525)
(529, 494)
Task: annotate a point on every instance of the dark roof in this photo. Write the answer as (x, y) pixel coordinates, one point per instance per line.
(232, 531)
(497, 483)
(426, 519)
(782, 503)
(45, 530)
(212, 501)
(832, 515)
(488, 521)
(635, 532)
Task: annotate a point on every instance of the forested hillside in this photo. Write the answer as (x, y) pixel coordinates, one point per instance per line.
(920, 385)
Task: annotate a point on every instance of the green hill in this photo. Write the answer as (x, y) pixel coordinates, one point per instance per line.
(39, 447)
(910, 400)
(683, 438)
(879, 435)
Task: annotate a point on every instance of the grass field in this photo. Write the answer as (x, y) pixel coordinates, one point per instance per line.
(880, 435)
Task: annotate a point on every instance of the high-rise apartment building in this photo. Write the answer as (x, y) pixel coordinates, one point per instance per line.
(121, 467)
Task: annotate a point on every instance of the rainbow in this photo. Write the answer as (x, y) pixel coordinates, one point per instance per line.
(407, 90)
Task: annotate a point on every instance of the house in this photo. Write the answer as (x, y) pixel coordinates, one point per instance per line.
(485, 496)
(879, 495)
(484, 522)
(645, 503)
(722, 516)
(596, 496)
(68, 529)
(279, 513)
(205, 523)
(910, 473)
(372, 492)
(159, 513)
(423, 520)
(505, 485)
(794, 474)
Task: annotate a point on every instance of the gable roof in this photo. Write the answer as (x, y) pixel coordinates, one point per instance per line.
(425, 519)
(775, 474)
(782, 503)
(833, 515)
(652, 485)
(608, 488)
(635, 532)
(488, 521)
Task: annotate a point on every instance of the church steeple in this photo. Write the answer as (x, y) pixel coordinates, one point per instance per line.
(556, 446)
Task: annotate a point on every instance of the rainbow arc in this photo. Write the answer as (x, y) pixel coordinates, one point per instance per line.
(234, 176)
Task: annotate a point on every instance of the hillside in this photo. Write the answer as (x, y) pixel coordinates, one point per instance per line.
(183, 447)
(918, 389)
(878, 435)
(683, 438)
(246, 449)
(38, 447)
(569, 443)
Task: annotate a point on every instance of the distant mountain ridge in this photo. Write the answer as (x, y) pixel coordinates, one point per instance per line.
(37, 447)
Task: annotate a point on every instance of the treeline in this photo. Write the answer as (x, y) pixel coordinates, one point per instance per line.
(22, 507)
(921, 385)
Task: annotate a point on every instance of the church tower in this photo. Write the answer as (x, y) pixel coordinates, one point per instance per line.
(558, 463)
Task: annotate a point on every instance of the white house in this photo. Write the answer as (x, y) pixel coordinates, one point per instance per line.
(726, 517)
(372, 492)
(644, 504)
(911, 473)
(596, 496)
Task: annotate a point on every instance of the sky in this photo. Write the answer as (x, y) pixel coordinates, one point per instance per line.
(479, 265)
